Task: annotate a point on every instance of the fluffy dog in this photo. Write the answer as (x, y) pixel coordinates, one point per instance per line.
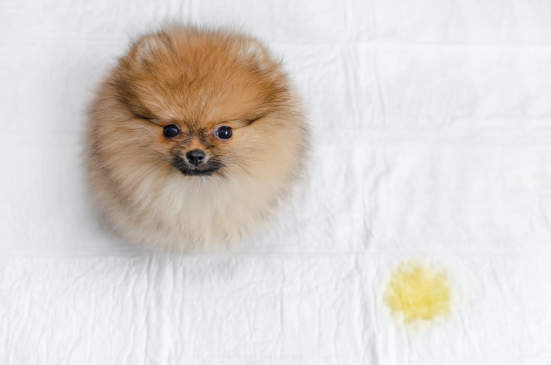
(193, 137)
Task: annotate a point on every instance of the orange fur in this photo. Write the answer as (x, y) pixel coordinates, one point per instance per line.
(198, 80)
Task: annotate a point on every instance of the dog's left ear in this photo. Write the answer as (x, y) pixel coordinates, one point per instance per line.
(252, 51)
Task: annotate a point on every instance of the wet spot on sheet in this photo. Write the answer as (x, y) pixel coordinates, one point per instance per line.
(418, 292)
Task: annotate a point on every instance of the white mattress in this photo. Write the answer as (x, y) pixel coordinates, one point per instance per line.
(431, 142)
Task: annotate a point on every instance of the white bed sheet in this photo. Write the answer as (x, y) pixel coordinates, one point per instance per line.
(431, 141)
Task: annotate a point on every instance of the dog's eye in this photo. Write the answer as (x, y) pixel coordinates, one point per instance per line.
(171, 130)
(223, 132)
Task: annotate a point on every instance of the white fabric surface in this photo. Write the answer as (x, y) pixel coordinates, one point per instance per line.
(431, 140)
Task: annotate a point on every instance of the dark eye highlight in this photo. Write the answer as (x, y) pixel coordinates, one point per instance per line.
(223, 132)
(171, 130)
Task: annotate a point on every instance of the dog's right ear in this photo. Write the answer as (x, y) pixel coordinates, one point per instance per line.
(147, 47)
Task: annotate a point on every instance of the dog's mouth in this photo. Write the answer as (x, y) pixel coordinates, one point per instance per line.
(206, 169)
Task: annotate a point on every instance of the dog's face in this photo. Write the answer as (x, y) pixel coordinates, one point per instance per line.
(194, 135)
(204, 103)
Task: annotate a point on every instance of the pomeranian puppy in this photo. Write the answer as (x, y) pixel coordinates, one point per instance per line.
(192, 138)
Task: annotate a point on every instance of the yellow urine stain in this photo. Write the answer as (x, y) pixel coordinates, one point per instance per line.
(418, 292)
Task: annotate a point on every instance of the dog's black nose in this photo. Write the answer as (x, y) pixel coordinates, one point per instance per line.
(195, 157)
